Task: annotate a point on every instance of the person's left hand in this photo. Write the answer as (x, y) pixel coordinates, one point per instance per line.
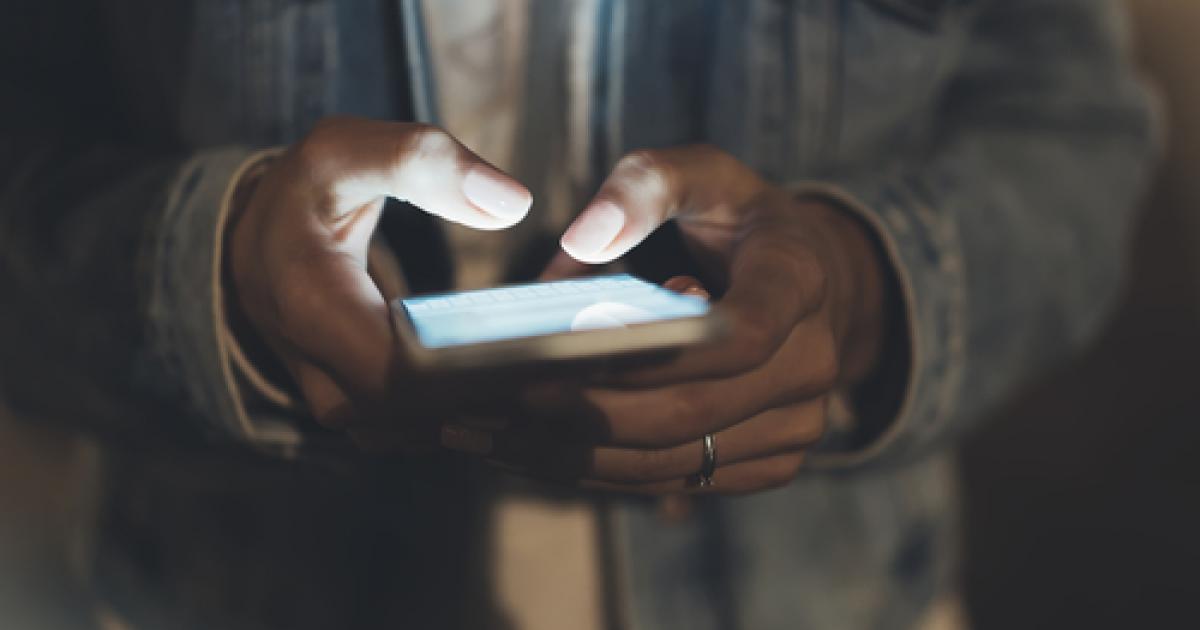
(802, 292)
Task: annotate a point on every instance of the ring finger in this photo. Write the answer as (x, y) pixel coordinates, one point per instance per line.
(779, 430)
(750, 476)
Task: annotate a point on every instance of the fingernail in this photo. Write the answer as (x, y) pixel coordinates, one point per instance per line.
(459, 438)
(697, 291)
(593, 231)
(495, 194)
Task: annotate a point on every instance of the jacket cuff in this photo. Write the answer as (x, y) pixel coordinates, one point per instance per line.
(925, 255)
(186, 302)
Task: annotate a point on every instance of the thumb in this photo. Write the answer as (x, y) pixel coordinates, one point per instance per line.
(359, 161)
(562, 266)
(649, 187)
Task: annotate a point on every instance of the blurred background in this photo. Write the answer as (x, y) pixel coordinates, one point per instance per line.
(1081, 496)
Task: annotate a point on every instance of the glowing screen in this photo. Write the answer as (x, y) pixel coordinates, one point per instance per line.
(530, 310)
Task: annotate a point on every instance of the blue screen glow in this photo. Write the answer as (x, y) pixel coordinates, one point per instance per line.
(546, 308)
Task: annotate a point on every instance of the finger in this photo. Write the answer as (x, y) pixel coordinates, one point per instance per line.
(331, 315)
(776, 282)
(361, 160)
(752, 476)
(315, 297)
(775, 431)
(805, 366)
(687, 285)
(373, 432)
(650, 187)
(384, 269)
(562, 266)
(327, 401)
(772, 432)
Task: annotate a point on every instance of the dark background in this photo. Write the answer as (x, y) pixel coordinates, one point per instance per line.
(1082, 497)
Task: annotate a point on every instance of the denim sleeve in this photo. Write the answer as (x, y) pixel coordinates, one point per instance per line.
(1009, 236)
(108, 272)
(107, 246)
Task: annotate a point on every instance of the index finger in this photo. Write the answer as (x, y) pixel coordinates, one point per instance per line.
(650, 187)
(358, 161)
(775, 285)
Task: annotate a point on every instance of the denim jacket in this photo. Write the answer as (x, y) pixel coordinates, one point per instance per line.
(995, 147)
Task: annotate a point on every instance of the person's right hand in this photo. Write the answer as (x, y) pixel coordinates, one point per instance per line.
(297, 257)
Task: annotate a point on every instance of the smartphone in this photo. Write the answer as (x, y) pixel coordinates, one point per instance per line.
(575, 319)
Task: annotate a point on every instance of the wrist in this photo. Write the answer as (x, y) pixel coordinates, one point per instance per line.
(243, 191)
(252, 349)
(857, 288)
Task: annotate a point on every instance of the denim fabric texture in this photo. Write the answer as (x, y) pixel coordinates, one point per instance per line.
(996, 147)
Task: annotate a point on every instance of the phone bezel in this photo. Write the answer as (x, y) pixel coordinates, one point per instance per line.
(565, 346)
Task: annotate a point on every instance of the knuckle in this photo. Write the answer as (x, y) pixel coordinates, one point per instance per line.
(676, 424)
(428, 143)
(639, 160)
(687, 409)
(645, 171)
(805, 427)
(321, 140)
(755, 342)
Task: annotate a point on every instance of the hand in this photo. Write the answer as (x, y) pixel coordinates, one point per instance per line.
(297, 256)
(802, 290)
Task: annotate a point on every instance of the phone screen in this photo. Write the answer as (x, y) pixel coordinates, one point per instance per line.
(546, 308)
